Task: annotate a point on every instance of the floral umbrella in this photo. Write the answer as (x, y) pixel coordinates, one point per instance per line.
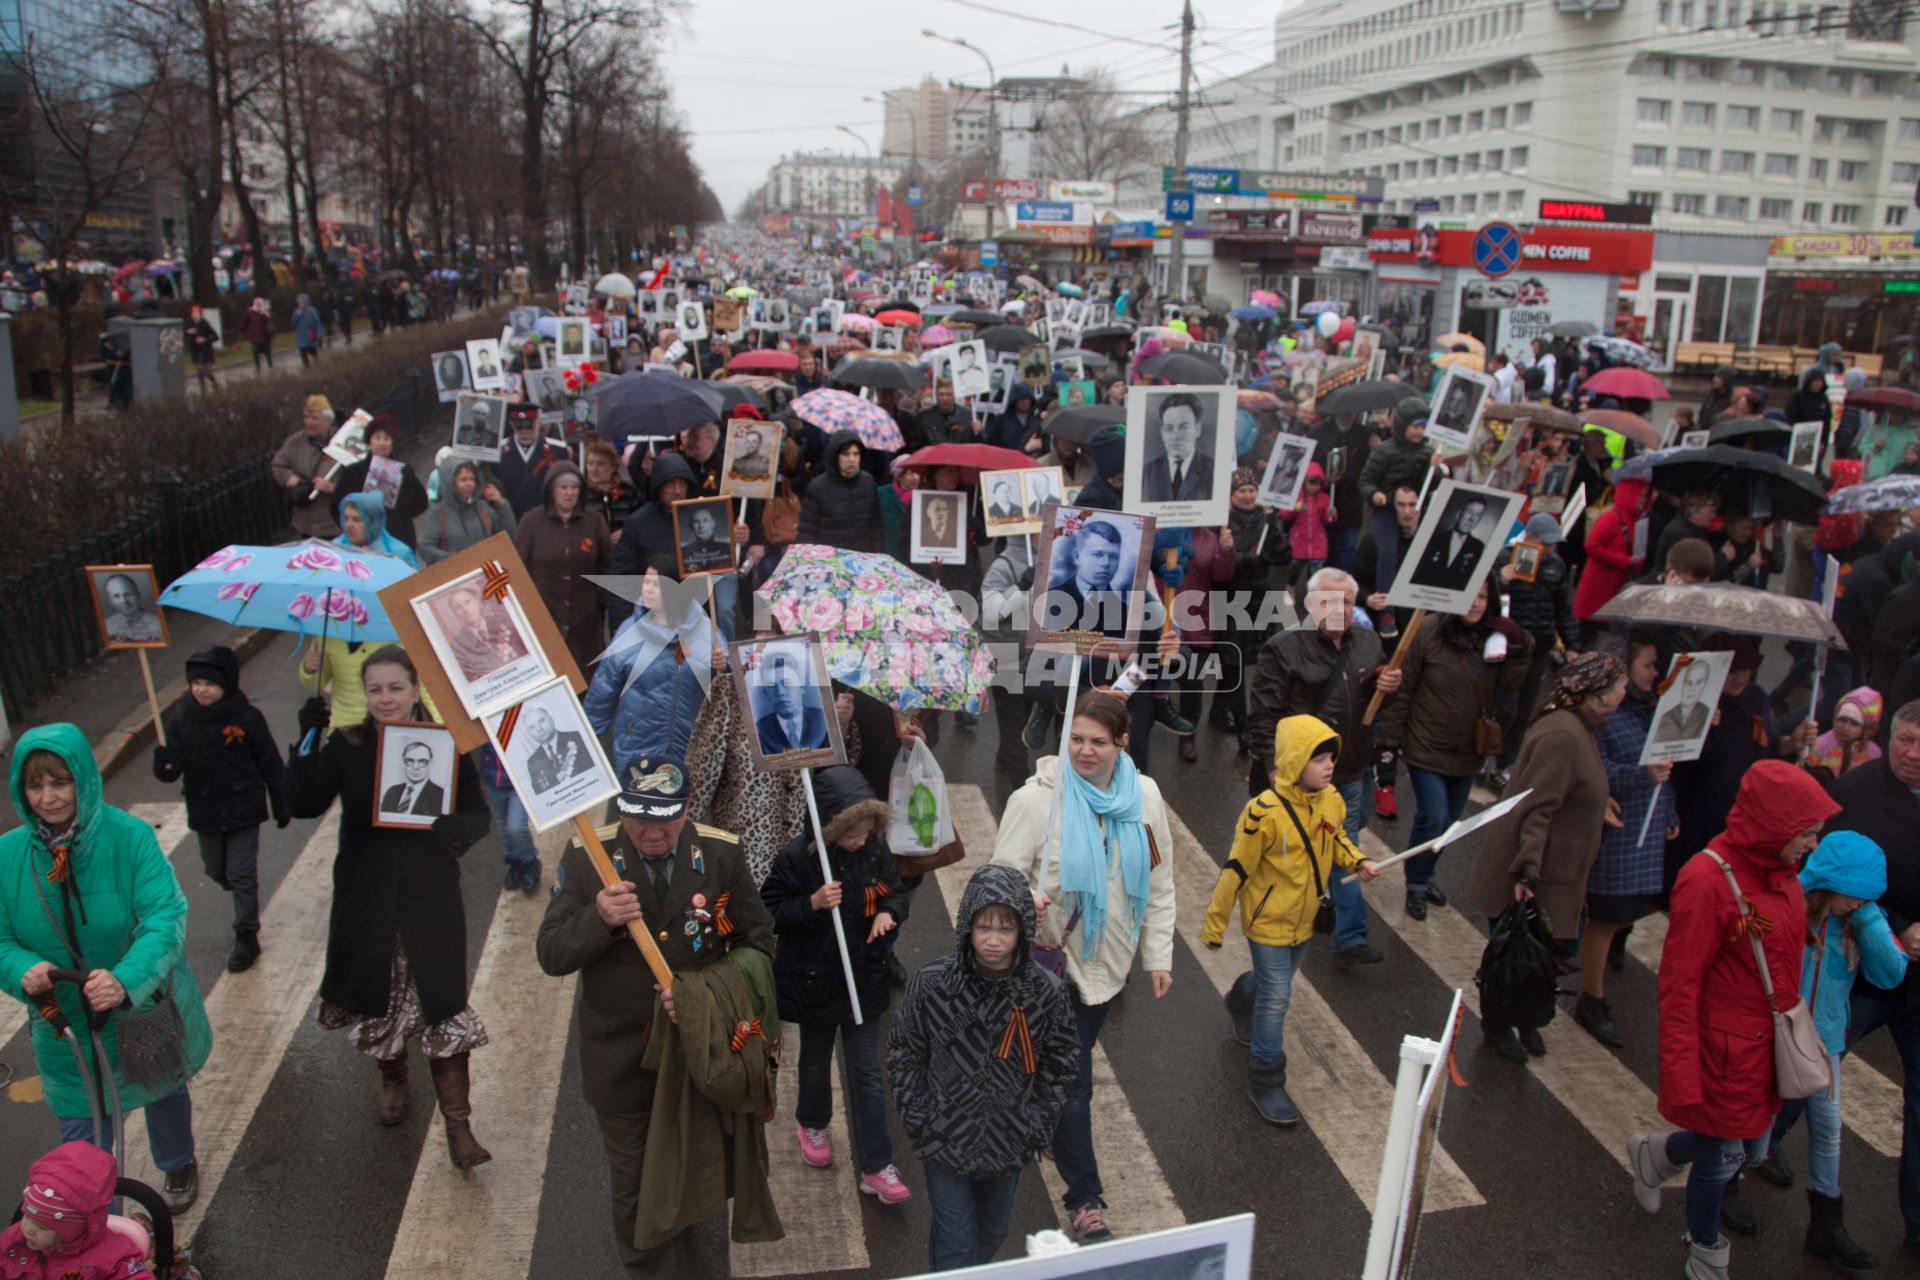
(935, 336)
(888, 631)
(832, 411)
(308, 585)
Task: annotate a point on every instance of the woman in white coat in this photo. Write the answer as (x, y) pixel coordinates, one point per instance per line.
(1111, 890)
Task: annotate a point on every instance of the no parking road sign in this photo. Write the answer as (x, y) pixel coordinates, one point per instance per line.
(1496, 249)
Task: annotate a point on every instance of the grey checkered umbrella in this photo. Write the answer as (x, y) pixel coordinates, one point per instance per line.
(1888, 493)
(1724, 607)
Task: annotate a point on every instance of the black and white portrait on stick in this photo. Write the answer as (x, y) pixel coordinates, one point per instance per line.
(484, 364)
(1455, 409)
(123, 604)
(450, 375)
(1286, 472)
(552, 756)
(414, 767)
(1005, 511)
(479, 425)
(939, 529)
(1688, 697)
(1464, 528)
(1180, 456)
(1094, 567)
(692, 320)
(703, 533)
(782, 681)
(483, 640)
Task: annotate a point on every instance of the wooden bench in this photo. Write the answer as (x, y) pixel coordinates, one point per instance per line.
(1775, 362)
(1703, 355)
(1867, 362)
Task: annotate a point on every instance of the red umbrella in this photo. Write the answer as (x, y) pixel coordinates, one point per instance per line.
(972, 459)
(1884, 398)
(1627, 383)
(764, 362)
(897, 316)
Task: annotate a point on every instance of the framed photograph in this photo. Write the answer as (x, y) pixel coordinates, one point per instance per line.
(1036, 365)
(692, 323)
(890, 337)
(547, 389)
(1306, 386)
(616, 330)
(571, 345)
(1526, 560)
(703, 533)
(577, 294)
(1286, 472)
(820, 320)
(771, 314)
(1214, 351)
(349, 442)
(485, 644)
(967, 365)
(1218, 1250)
(1457, 404)
(1006, 509)
(415, 767)
(1039, 486)
(1095, 565)
(1078, 393)
(1454, 548)
(485, 364)
(1180, 454)
(1043, 330)
(1694, 439)
(552, 755)
(385, 476)
(1099, 313)
(1001, 377)
(1684, 713)
(125, 604)
(782, 681)
(450, 376)
(728, 316)
(647, 304)
(939, 529)
(520, 322)
(750, 466)
(479, 427)
(1804, 451)
(669, 303)
(1056, 310)
(583, 414)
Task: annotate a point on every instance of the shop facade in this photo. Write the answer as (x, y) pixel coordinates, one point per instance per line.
(1861, 291)
(1701, 288)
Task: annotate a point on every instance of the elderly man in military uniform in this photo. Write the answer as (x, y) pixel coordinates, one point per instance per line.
(688, 885)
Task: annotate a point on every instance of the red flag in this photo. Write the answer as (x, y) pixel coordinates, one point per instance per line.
(659, 275)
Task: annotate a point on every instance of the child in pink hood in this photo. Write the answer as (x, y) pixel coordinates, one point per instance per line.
(62, 1233)
(1849, 744)
(1307, 526)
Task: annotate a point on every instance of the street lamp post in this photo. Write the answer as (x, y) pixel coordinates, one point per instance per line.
(993, 118)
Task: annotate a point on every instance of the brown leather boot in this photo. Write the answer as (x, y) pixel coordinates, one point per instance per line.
(393, 1091)
(450, 1085)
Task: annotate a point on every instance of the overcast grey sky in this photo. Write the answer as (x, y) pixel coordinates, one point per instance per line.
(755, 79)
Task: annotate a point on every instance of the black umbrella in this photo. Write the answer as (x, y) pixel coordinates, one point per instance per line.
(1088, 359)
(1747, 480)
(976, 318)
(1573, 329)
(1183, 367)
(1006, 337)
(1363, 397)
(900, 375)
(1106, 332)
(1736, 430)
(654, 404)
(1079, 422)
(734, 394)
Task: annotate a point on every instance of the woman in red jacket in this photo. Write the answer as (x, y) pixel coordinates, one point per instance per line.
(1716, 1030)
(1610, 561)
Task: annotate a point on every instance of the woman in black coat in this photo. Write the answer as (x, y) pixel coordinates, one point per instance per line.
(405, 506)
(397, 937)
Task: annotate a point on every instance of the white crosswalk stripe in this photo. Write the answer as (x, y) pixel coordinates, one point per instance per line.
(1870, 1103)
(169, 823)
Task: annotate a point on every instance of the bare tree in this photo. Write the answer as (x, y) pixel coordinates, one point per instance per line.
(92, 140)
(1093, 133)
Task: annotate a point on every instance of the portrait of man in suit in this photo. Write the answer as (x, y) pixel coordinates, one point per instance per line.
(1095, 583)
(418, 794)
(1003, 498)
(486, 364)
(1042, 487)
(1686, 719)
(1183, 471)
(1455, 548)
(787, 711)
(553, 756)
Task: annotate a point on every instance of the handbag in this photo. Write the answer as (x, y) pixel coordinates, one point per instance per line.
(1488, 737)
(780, 518)
(919, 864)
(1323, 916)
(153, 1040)
(1052, 956)
(1800, 1065)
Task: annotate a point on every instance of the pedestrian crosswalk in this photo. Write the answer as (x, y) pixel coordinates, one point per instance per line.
(1582, 1094)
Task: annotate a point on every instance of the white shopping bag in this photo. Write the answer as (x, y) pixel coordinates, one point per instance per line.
(922, 817)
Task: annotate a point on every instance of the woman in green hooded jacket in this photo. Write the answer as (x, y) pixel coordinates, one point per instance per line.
(84, 885)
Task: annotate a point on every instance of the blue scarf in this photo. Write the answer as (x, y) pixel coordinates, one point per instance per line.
(1083, 851)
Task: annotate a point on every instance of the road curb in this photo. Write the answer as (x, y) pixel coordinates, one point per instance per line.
(135, 730)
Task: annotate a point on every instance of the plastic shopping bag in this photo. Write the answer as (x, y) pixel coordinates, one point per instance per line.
(922, 815)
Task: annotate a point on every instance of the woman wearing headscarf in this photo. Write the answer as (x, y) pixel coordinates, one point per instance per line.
(409, 500)
(606, 492)
(470, 509)
(1103, 900)
(396, 964)
(561, 542)
(363, 524)
(1717, 1081)
(1546, 846)
(121, 917)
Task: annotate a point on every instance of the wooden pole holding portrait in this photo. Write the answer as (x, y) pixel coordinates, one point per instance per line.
(126, 605)
(1411, 630)
(826, 871)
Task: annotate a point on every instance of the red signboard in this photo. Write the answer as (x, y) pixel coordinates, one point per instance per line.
(974, 190)
(1063, 234)
(1542, 249)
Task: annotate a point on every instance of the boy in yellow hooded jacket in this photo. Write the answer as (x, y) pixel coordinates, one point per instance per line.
(1289, 845)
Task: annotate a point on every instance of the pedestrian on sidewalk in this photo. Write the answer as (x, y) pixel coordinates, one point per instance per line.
(99, 872)
(307, 330)
(220, 743)
(1287, 847)
(1716, 1019)
(396, 965)
(203, 340)
(1112, 881)
(257, 327)
(302, 470)
(867, 894)
(346, 298)
(981, 1056)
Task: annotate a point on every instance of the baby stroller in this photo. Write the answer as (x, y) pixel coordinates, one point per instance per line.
(153, 1232)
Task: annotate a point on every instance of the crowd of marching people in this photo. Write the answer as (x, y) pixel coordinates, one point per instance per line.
(1783, 854)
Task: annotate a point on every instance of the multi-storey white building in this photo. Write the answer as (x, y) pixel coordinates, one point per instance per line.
(1733, 121)
(828, 185)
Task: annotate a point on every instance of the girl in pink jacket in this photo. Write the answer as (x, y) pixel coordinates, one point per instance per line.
(1307, 526)
(63, 1229)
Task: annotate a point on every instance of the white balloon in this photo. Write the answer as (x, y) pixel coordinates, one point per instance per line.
(1328, 323)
